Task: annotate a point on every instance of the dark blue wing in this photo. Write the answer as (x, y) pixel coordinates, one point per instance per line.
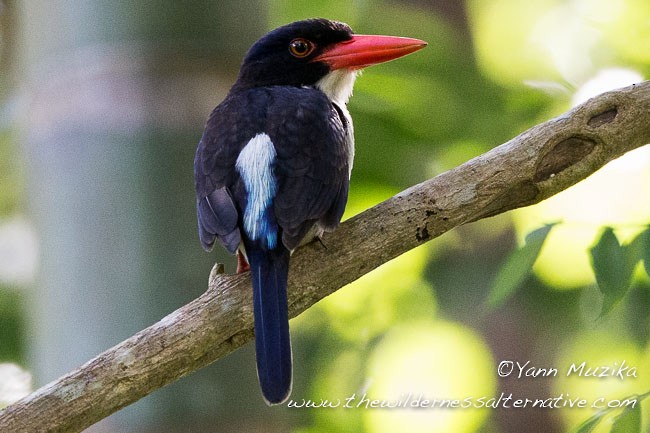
(312, 162)
(312, 166)
(230, 126)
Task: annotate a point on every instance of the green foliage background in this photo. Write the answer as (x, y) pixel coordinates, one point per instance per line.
(439, 320)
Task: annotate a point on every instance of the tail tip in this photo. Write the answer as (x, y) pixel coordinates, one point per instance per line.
(274, 397)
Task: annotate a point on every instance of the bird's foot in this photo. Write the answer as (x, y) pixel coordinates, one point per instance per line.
(242, 263)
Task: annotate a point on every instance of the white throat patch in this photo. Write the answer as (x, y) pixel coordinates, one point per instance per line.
(338, 84)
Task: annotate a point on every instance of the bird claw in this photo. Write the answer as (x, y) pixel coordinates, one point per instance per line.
(242, 263)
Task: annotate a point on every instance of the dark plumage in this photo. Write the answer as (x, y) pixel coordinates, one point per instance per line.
(274, 162)
(270, 63)
(312, 179)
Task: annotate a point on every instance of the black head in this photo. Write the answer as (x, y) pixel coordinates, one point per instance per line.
(285, 56)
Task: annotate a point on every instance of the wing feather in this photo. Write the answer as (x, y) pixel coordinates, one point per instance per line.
(311, 167)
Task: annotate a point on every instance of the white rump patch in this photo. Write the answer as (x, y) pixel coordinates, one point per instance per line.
(255, 166)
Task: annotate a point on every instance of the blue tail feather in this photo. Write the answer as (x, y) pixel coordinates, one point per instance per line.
(269, 270)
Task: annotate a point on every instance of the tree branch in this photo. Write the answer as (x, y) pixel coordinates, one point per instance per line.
(535, 165)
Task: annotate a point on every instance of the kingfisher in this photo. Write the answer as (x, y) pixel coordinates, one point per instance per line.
(272, 168)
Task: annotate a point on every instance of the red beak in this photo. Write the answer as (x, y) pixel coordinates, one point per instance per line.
(366, 50)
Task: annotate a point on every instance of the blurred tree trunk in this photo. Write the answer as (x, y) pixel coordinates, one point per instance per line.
(118, 92)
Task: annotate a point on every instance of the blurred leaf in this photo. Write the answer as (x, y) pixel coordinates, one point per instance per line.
(517, 267)
(613, 265)
(638, 295)
(629, 421)
(638, 250)
(11, 326)
(644, 241)
(590, 424)
(637, 316)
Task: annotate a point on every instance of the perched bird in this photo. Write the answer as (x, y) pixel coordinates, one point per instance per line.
(273, 166)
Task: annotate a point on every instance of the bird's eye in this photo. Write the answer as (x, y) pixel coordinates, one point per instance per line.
(301, 47)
